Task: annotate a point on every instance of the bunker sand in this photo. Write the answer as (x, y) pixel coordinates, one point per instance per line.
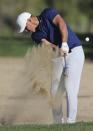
(22, 101)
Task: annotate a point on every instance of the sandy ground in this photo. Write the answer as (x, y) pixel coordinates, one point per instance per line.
(37, 109)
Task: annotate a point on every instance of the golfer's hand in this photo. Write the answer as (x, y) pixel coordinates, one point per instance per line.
(48, 44)
(64, 49)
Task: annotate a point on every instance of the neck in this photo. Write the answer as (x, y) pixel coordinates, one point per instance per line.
(36, 21)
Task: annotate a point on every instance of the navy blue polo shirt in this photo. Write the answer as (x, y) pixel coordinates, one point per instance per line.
(49, 31)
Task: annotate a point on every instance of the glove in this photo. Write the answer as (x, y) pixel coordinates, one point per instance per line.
(64, 48)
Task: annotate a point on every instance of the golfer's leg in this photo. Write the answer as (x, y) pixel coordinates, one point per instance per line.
(72, 82)
(57, 69)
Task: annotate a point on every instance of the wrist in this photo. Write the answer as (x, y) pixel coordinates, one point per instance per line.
(64, 44)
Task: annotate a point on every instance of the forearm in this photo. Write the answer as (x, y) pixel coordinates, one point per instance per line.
(47, 43)
(58, 21)
(64, 32)
(44, 41)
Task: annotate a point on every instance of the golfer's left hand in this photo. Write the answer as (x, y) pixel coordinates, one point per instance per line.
(64, 48)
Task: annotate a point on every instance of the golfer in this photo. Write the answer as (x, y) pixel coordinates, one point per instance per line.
(50, 28)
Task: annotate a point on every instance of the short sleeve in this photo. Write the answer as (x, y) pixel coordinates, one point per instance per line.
(49, 13)
(37, 37)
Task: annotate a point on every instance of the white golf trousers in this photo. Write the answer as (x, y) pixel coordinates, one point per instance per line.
(73, 69)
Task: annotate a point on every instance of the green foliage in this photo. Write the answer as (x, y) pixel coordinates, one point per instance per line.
(75, 12)
(86, 7)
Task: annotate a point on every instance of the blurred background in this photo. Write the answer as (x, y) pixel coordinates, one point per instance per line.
(77, 13)
(13, 47)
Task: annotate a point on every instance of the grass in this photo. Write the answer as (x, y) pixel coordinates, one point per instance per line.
(14, 47)
(17, 47)
(57, 127)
